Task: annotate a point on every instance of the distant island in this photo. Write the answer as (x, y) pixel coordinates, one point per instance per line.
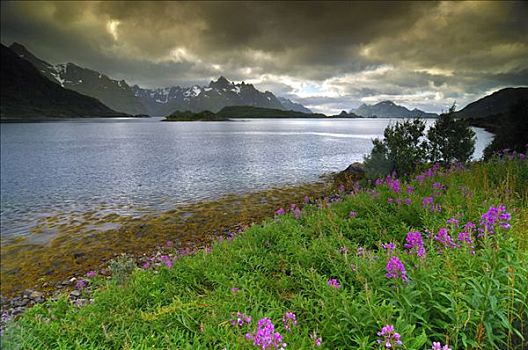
(239, 112)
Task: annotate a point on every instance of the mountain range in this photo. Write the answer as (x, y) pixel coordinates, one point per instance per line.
(388, 109)
(26, 94)
(120, 96)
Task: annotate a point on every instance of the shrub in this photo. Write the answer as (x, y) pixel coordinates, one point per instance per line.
(450, 140)
(121, 268)
(401, 150)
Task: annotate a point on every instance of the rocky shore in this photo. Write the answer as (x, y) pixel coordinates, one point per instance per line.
(77, 289)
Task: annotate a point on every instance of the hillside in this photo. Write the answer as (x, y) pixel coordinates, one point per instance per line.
(388, 109)
(498, 102)
(430, 262)
(27, 95)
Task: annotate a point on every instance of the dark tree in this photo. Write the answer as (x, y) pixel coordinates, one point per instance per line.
(450, 139)
(402, 149)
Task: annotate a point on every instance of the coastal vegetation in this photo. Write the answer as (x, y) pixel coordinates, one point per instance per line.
(406, 146)
(439, 261)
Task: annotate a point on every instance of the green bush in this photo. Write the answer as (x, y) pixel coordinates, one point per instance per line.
(450, 140)
(401, 150)
(121, 268)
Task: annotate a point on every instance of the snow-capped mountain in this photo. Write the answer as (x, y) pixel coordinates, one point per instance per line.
(213, 97)
(119, 96)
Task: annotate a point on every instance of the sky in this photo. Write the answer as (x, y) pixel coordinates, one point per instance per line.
(329, 56)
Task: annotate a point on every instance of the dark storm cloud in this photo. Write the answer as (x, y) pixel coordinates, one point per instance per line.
(328, 55)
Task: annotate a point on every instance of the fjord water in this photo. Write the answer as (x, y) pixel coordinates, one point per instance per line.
(131, 166)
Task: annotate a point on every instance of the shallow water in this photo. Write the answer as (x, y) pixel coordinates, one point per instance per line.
(131, 167)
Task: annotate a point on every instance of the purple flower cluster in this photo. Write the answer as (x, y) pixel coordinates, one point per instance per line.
(428, 202)
(265, 336)
(167, 261)
(81, 284)
(332, 282)
(389, 247)
(444, 239)
(280, 211)
(453, 222)
(394, 184)
(389, 338)
(493, 217)
(289, 320)
(317, 340)
(352, 214)
(91, 274)
(438, 186)
(296, 211)
(438, 346)
(240, 319)
(414, 243)
(343, 250)
(396, 269)
(465, 238)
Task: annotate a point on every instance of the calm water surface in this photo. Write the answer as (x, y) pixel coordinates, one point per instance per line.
(133, 166)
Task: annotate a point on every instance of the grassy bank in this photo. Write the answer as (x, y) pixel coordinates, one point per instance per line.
(333, 267)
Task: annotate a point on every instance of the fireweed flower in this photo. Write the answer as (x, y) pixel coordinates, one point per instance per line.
(297, 212)
(396, 269)
(341, 188)
(317, 340)
(453, 221)
(445, 239)
(332, 282)
(265, 336)
(414, 243)
(427, 201)
(146, 265)
(81, 284)
(389, 247)
(306, 199)
(280, 211)
(91, 274)
(379, 182)
(394, 184)
(352, 214)
(410, 189)
(234, 290)
(389, 338)
(289, 320)
(465, 238)
(343, 250)
(240, 319)
(438, 346)
(408, 201)
(438, 186)
(167, 261)
(420, 178)
(493, 217)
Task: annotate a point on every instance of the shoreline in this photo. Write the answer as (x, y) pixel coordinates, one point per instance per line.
(41, 267)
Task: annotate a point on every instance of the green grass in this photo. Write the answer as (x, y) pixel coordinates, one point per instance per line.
(469, 301)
